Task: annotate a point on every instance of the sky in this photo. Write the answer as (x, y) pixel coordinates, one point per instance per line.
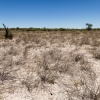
(50, 13)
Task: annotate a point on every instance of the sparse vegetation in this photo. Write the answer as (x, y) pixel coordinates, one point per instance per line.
(61, 64)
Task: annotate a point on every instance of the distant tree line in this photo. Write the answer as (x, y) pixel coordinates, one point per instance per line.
(89, 27)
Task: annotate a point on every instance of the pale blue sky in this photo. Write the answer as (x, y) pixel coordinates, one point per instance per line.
(50, 13)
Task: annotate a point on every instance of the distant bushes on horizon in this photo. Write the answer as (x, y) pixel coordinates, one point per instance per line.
(47, 29)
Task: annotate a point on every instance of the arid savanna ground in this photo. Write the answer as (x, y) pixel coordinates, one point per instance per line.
(50, 65)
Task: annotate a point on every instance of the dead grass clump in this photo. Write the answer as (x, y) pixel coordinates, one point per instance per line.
(76, 57)
(47, 77)
(7, 73)
(85, 66)
(26, 49)
(95, 42)
(45, 72)
(85, 39)
(28, 85)
(5, 76)
(83, 92)
(83, 85)
(58, 62)
(95, 39)
(96, 53)
(13, 51)
(40, 80)
(61, 61)
(31, 37)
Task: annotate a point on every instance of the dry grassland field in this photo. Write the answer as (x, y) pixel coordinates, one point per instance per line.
(50, 65)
